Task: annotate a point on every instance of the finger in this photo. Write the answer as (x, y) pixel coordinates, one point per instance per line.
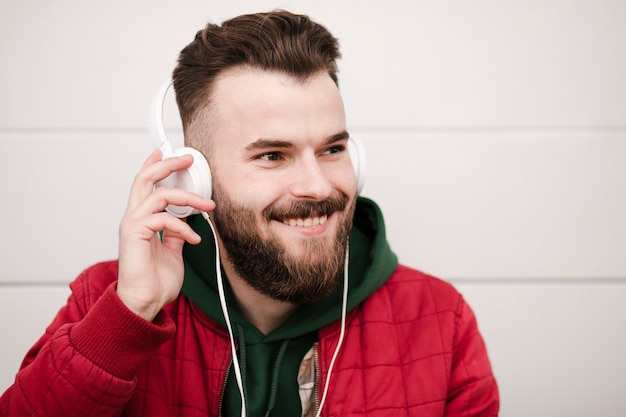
(147, 227)
(155, 156)
(152, 172)
(175, 240)
(160, 198)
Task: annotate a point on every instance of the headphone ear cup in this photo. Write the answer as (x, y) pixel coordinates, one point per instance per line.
(356, 151)
(195, 179)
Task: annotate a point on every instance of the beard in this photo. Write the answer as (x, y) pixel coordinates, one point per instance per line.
(267, 265)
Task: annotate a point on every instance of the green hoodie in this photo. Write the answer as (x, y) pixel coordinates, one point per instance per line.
(270, 363)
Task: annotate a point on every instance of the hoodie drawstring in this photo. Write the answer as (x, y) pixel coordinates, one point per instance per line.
(274, 387)
(243, 355)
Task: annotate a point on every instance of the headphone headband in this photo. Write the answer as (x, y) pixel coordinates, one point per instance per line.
(155, 121)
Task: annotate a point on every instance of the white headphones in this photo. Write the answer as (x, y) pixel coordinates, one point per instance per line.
(197, 178)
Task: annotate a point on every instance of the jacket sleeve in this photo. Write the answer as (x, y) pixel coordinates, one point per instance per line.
(86, 361)
(473, 391)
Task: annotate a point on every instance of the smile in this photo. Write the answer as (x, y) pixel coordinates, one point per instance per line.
(308, 222)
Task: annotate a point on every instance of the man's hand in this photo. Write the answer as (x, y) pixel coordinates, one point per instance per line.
(150, 269)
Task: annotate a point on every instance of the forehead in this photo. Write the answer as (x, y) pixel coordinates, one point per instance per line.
(248, 104)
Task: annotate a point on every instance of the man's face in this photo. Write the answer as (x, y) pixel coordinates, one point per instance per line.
(284, 186)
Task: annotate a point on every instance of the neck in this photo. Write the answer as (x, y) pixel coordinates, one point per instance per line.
(265, 313)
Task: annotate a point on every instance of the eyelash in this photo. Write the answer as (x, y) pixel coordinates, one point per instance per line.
(277, 156)
(270, 156)
(335, 149)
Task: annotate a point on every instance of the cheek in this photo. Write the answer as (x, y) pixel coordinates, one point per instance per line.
(256, 197)
(344, 179)
(261, 188)
(246, 187)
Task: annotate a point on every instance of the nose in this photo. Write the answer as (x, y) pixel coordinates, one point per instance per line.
(309, 181)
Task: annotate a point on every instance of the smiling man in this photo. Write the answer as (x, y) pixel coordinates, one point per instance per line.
(284, 186)
(292, 303)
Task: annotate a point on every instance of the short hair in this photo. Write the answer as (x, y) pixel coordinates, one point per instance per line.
(277, 41)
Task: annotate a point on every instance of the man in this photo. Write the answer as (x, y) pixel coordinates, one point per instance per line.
(146, 336)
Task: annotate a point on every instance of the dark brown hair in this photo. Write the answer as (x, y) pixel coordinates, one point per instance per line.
(277, 41)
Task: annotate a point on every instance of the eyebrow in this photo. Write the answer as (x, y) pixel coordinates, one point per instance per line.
(263, 143)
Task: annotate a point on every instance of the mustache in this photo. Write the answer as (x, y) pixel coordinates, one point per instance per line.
(303, 208)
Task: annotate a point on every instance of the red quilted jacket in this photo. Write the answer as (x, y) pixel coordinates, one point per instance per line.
(98, 359)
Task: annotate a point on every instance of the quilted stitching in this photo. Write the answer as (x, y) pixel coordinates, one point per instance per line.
(411, 349)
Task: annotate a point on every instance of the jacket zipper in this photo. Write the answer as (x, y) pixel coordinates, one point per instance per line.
(318, 377)
(221, 403)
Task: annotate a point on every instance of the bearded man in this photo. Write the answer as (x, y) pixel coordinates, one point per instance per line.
(282, 296)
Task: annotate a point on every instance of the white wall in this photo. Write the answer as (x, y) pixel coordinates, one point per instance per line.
(496, 135)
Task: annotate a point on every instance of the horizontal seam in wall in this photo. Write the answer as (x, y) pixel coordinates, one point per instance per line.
(611, 129)
(43, 131)
(69, 130)
(33, 284)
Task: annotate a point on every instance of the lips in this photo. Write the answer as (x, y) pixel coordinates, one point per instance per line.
(306, 222)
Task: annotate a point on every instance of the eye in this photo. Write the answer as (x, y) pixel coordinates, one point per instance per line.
(334, 149)
(270, 156)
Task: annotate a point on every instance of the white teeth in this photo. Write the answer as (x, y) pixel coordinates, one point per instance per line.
(308, 222)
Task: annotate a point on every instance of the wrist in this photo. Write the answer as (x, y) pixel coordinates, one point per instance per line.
(145, 309)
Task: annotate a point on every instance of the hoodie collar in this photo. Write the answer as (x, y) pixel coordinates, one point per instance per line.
(371, 262)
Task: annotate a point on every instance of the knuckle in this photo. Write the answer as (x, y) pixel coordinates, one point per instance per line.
(141, 177)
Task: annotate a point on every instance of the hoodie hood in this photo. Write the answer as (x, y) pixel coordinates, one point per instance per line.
(371, 262)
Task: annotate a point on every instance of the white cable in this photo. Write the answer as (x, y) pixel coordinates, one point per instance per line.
(220, 289)
(344, 306)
